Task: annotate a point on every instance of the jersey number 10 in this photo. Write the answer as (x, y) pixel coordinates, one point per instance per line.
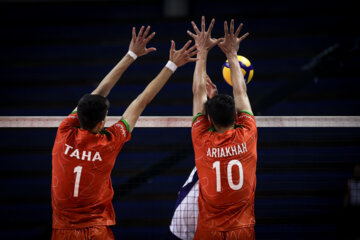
(230, 165)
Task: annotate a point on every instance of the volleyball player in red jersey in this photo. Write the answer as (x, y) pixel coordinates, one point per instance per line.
(224, 136)
(84, 152)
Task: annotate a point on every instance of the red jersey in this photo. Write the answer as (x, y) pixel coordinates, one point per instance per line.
(82, 162)
(226, 165)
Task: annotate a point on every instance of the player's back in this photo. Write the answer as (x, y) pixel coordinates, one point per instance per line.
(81, 166)
(226, 166)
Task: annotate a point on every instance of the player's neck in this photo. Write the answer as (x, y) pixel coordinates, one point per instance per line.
(93, 131)
(221, 130)
(97, 128)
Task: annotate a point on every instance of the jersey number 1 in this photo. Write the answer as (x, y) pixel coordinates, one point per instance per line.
(230, 165)
(77, 170)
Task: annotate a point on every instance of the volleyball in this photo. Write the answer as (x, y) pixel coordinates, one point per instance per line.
(246, 68)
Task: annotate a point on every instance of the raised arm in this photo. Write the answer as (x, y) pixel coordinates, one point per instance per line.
(177, 59)
(137, 48)
(204, 43)
(230, 46)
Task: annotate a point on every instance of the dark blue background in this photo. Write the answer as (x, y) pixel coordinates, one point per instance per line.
(53, 53)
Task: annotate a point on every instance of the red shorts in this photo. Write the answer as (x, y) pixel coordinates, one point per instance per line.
(94, 233)
(247, 233)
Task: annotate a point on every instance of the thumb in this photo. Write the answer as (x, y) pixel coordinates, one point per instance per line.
(150, 50)
(219, 40)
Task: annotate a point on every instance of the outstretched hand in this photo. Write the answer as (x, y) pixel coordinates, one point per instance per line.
(138, 43)
(183, 55)
(203, 38)
(230, 42)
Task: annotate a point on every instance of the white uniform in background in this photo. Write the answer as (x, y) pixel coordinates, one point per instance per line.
(184, 221)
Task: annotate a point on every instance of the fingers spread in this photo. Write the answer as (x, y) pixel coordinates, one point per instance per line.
(172, 45)
(192, 48)
(150, 50)
(243, 36)
(232, 27)
(217, 41)
(187, 44)
(190, 34)
(226, 30)
(141, 32)
(211, 26)
(193, 59)
(133, 33)
(150, 37)
(203, 24)
(195, 27)
(238, 30)
(146, 31)
(193, 53)
(220, 41)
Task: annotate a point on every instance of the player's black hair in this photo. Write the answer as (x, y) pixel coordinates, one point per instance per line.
(91, 110)
(221, 109)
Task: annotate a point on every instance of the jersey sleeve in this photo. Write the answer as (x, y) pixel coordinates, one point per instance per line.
(200, 125)
(246, 120)
(70, 121)
(120, 133)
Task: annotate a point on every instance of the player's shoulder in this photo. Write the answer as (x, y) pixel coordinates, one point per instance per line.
(245, 118)
(121, 125)
(70, 122)
(245, 115)
(197, 117)
(200, 119)
(119, 130)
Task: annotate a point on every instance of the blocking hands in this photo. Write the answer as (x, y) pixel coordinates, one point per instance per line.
(230, 43)
(183, 55)
(138, 43)
(202, 37)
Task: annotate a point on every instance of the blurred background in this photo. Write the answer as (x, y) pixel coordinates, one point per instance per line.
(306, 60)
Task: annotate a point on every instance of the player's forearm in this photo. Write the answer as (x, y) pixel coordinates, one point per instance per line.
(237, 78)
(113, 76)
(241, 99)
(199, 84)
(155, 86)
(135, 109)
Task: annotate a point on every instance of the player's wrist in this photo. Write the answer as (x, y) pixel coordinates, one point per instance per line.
(171, 65)
(132, 54)
(203, 52)
(231, 55)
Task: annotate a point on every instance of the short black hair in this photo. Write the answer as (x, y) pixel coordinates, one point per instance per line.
(91, 110)
(221, 109)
